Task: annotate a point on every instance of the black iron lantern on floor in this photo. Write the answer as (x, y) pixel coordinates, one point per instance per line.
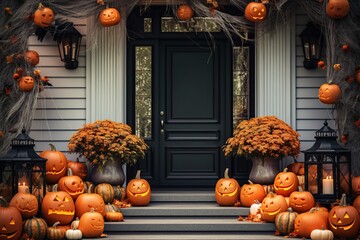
(68, 41)
(22, 169)
(327, 167)
(312, 44)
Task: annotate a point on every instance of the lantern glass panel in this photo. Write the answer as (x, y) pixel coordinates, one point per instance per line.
(312, 179)
(327, 179)
(344, 178)
(6, 181)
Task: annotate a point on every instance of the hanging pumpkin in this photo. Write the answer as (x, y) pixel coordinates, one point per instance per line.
(329, 93)
(35, 228)
(87, 201)
(255, 11)
(11, 223)
(344, 220)
(78, 168)
(106, 191)
(32, 57)
(26, 83)
(337, 9)
(301, 201)
(184, 12)
(55, 165)
(71, 184)
(138, 191)
(26, 203)
(91, 224)
(285, 183)
(321, 234)
(109, 17)
(284, 222)
(271, 206)
(251, 192)
(227, 190)
(43, 16)
(355, 184)
(55, 233)
(321, 64)
(306, 222)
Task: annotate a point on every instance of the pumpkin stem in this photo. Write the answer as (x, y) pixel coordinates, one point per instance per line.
(52, 147)
(55, 224)
(92, 209)
(343, 200)
(138, 172)
(256, 201)
(226, 173)
(250, 182)
(322, 227)
(41, 6)
(69, 172)
(300, 189)
(290, 209)
(54, 188)
(285, 169)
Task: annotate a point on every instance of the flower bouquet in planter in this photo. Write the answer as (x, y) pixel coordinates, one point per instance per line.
(265, 140)
(107, 145)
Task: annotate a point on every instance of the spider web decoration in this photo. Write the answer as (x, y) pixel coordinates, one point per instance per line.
(16, 25)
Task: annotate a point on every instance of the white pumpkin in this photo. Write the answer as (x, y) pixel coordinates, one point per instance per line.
(75, 223)
(321, 234)
(73, 234)
(254, 208)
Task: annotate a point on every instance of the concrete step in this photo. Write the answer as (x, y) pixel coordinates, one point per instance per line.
(182, 224)
(188, 209)
(183, 196)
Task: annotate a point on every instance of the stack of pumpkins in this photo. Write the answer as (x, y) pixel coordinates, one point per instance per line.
(291, 209)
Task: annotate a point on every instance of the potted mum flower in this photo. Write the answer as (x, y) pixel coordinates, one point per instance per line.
(107, 145)
(264, 140)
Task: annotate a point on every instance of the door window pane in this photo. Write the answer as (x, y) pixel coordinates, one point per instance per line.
(143, 94)
(196, 24)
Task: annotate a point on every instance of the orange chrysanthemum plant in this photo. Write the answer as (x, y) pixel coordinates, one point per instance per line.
(105, 140)
(265, 137)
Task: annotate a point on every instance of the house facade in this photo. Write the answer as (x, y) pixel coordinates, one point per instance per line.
(103, 87)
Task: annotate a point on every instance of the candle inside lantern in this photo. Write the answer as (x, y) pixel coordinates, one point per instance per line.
(23, 188)
(328, 185)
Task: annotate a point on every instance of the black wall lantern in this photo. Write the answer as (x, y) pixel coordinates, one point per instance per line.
(312, 44)
(22, 169)
(327, 167)
(68, 41)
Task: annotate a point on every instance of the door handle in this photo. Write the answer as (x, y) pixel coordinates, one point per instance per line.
(162, 126)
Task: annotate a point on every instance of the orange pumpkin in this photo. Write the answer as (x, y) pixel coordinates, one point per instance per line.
(32, 57)
(297, 168)
(106, 191)
(43, 16)
(114, 216)
(184, 12)
(109, 17)
(306, 222)
(26, 203)
(87, 201)
(285, 183)
(251, 192)
(344, 220)
(271, 206)
(26, 83)
(91, 224)
(337, 9)
(78, 168)
(138, 191)
(329, 93)
(227, 190)
(54, 232)
(55, 165)
(356, 203)
(71, 184)
(301, 201)
(255, 11)
(11, 223)
(355, 184)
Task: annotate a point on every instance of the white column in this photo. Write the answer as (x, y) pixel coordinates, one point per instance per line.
(275, 73)
(106, 72)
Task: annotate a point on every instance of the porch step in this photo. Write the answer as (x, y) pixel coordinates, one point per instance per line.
(183, 196)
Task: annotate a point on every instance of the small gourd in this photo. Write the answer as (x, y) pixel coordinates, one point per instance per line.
(73, 234)
(254, 208)
(322, 234)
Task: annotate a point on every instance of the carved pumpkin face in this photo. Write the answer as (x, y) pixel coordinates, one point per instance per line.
(227, 191)
(86, 201)
(32, 57)
(271, 206)
(55, 165)
(301, 201)
(251, 192)
(255, 11)
(109, 17)
(73, 185)
(185, 12)
(337, 9)
(329, 93)
(356, 203)
(26, 83)
(26, 203)
(91, 224)
(138, 191)
(58, 206)
(79, 169)
(285, 183)
(10, 223)
(43, 16)
(344, 221)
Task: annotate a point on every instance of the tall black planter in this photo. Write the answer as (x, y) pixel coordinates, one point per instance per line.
(112, 173)
(264, 170)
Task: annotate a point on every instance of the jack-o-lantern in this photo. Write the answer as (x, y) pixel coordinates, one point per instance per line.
(109, 17)
(301, 201)
(87, 201)
(10, 223)
(285, 183)
(355, 184)
(58, 206)
(306, 222)
(271, 206)
(26, 83)
(138, 191)
(184, 12)
(337, 9)
(78, 168)
(91, 224)
(71, 184)
(251, 192)
(227, 190)
(43, 16)
(32, 57)
(255, 11)
(26, 203)
(344, 220)
(56, 164)
(329, 93)
(356, 203)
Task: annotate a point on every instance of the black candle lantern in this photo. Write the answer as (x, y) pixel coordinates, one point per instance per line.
(312, 43)
(327, 167)
(22, 169)
(69, 41)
